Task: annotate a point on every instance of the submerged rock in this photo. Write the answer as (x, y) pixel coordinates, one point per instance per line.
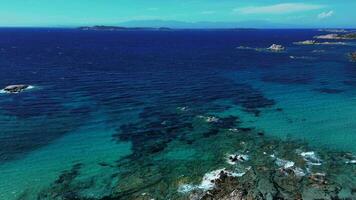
(15, 88)
(276, 47)
(353, 56)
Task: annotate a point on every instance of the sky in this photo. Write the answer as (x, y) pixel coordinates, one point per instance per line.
(298, 13)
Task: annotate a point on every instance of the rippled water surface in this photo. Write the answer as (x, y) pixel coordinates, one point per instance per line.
(152, 114)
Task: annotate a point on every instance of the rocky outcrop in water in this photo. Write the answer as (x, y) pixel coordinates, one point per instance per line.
(15, 88)
(306, 42)
(276, 47)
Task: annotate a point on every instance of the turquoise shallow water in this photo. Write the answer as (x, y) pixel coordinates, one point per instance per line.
(156, 115)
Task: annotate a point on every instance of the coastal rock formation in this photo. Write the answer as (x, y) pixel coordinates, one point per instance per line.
(306, 42)
(328, 37)
(276, 47)
(15, 88)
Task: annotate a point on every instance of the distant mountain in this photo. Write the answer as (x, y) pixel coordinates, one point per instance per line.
(203, 24)
(118, 28)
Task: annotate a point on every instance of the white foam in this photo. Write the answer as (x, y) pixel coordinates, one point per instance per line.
(289, 165)
(209, 119)
(351, 162)
(238, 158)
(235, 130)
(186, 188)
(184, 108)
(311, 158)
(207, 183)
(298, 171)
(209, 180)
(284, 163)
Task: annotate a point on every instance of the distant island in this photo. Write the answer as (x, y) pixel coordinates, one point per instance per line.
(124, 28)
(119, 28)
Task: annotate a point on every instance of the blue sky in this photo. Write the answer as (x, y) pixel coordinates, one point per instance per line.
(309, 13)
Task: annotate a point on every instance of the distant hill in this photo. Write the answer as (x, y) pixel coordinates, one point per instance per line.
(118, 28)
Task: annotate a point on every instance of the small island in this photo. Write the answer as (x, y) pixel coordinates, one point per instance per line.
(119, 28)
(306, 42)
(15, 88)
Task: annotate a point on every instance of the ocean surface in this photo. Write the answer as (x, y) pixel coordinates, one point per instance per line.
(152, 114)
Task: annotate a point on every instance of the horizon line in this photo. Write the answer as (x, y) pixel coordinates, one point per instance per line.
(174, 28)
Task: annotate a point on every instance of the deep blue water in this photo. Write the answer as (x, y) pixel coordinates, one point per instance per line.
(105, 103)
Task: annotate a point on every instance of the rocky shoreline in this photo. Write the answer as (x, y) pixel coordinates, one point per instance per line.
(307, 177)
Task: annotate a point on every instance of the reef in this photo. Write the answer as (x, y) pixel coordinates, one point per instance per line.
(286, 80)
(248, 166)
(64, 186)
(329, 90)
(302, 176)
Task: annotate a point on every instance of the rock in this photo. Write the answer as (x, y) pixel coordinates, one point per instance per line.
(328, 37)
(15, 88)
(276, 47)
(235, 158)
(306, 42)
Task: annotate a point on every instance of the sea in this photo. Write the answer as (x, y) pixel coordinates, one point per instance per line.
(158, 114)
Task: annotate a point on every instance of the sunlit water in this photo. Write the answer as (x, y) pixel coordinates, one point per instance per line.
(143, 113)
